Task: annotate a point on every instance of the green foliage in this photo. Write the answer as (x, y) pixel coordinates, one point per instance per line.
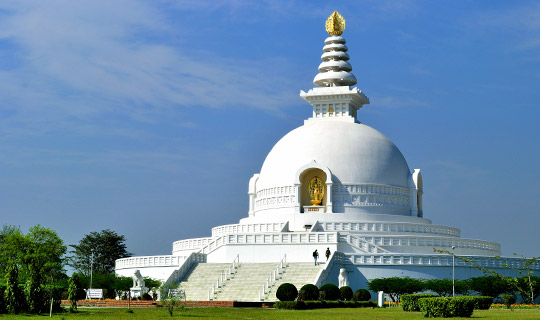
(107, 247)
(74, 291)
(111, 284)
(2, 303)
(443, 307)
(12, 295)
(308, 305)
(508, 300)
(308, 292)
(396, 286)
(482, 302)
(443, 287)
(329, 291)
(345, 293)
(290, 305)
(287, 292)
(409, 302)
(491, 286)
(529, 286)
(361, 295)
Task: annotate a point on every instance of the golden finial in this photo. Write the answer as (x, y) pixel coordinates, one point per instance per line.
(335, 24)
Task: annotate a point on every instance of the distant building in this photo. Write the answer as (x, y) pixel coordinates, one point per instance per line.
(332, 183)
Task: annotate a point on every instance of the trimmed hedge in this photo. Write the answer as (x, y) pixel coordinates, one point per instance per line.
(308, 292)
(362, 295)
(345, 293)
(329, 291)
(409, 302)
(482, 302)
(287, 292)
(308, 305)
(442, 307)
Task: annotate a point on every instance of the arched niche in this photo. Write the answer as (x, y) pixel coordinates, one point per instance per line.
(304, 176)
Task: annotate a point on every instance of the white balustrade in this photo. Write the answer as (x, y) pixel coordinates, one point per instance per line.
(224, 276)
(273, 277)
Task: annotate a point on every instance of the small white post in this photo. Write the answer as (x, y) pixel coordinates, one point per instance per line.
(380, 300)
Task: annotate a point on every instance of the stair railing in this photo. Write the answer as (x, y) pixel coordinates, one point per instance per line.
(273, 277)
(225, 275)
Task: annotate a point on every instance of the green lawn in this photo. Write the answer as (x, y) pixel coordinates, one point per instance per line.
(236, 313)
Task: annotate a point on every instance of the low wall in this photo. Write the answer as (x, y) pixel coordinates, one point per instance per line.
(153, 304)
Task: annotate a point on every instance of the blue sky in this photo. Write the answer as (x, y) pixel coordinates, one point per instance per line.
(149, 117)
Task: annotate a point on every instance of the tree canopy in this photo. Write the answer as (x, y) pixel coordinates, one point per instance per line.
(106, 245)
(396, 286)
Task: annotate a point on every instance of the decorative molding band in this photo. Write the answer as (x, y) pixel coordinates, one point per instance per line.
(276, 197)
(407, 241)
(247, 228)
(149, 261)
(190, 244)
(371, 195)
(436, 260)
(390, 227)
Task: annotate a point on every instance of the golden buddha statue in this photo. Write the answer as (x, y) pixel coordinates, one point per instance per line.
(316, 191)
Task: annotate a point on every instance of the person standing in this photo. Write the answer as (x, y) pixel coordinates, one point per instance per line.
(327, 253)
(315, 256)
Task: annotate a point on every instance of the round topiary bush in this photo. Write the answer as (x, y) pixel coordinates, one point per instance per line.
(345, 293)
(287, 292)
(308, 292)
(329, 291)
(362, 295)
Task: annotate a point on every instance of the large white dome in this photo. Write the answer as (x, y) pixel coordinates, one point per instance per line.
(354, 153)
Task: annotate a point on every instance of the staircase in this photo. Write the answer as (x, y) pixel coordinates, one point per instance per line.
(246, 284)
(299, 274)
(200, 278)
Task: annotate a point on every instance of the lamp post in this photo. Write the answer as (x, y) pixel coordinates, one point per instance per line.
(453, 273)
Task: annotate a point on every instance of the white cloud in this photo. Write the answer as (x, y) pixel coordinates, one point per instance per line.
(78, 60)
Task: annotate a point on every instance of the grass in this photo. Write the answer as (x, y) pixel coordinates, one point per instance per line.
(237, 313)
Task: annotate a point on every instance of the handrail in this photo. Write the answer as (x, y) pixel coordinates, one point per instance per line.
(271, 280)
(225, 276)
(323, 273)
(363, 245)
(179, 273)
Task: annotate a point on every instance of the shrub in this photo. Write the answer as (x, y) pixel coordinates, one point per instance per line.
(482, 302)
(345, 293)
(287, 292)
(2, 304)
(409, 302)
(308, 292)
(508, 300)
(442, 307)
(290, 305)
(329, 291)
(361, 295)
(146, 297)
(303, 305)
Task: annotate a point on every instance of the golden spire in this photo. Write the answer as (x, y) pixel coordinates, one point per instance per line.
(335, 24)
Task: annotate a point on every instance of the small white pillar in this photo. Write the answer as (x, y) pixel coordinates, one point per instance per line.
(380, 300)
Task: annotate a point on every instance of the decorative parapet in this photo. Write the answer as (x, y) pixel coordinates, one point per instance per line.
(149, 261)
(433, 242)
(371, 195)
(272, 238)
(396, 227)
(435, 260)
(190, 244)
(248, 228)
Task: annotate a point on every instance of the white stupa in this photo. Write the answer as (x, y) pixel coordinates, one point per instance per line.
(332, 183)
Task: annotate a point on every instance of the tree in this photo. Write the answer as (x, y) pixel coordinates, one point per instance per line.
(107, 246)
(12, 247)
(73, 291)
(396, 286)
(44, 263)
(12, 294)
(443, 287)
(490, 286)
